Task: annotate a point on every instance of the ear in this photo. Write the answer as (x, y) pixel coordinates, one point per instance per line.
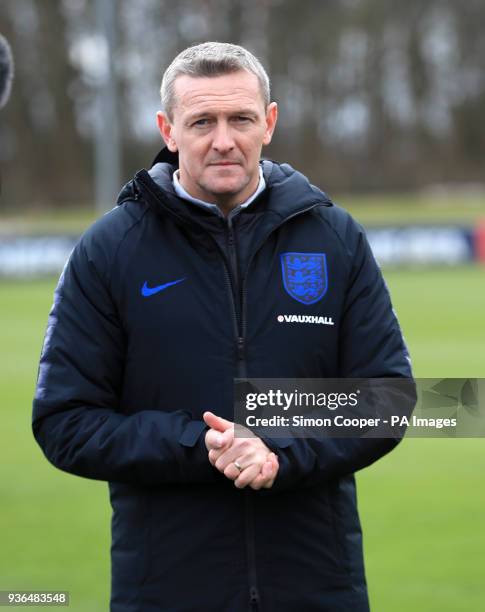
(166, 130)
(271, 118)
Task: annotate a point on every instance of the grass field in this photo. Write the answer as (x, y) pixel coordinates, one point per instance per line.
(422, 507)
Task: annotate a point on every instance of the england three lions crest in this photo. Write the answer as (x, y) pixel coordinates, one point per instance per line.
(305, 276)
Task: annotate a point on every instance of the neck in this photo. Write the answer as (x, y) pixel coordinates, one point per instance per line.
(225, 202)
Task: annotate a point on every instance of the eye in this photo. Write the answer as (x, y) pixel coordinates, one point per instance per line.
(201, 123)
(242, 119)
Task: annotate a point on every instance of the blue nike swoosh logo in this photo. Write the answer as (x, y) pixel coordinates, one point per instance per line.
(146, 291)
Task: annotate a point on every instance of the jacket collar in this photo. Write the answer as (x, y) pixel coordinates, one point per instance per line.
(288, 191)
(167, 157)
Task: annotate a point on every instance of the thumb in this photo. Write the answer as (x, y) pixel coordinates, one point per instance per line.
(216, 422)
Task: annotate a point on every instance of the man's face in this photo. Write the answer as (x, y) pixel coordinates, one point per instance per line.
(219, 126)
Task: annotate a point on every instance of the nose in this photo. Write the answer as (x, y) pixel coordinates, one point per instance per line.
(223, 141)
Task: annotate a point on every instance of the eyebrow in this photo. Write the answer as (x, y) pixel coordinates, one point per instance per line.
(241, 111)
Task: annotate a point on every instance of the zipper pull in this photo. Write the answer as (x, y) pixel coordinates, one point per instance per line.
(240, 348)
(253, 595)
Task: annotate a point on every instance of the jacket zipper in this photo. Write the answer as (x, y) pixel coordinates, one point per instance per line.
(239, 322)
(242, 373)
(233, 285)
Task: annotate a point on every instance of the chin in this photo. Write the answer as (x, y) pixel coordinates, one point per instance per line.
(225, 187)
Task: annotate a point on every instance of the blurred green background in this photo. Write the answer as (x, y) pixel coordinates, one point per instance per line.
(421, 507)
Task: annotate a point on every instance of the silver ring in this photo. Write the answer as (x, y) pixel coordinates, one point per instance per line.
(238, 465)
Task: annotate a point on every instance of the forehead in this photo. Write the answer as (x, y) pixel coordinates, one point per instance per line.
(223, 93)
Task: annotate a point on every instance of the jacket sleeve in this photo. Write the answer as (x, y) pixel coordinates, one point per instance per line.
(76, 416)
(370, 346)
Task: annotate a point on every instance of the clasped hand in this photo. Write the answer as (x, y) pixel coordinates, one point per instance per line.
(258, 466)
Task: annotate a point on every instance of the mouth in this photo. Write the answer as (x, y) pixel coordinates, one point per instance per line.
(224, 163)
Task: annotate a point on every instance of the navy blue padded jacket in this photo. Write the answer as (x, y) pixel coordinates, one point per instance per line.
(126, 374)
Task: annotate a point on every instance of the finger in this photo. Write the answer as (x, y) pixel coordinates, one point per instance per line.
(257, 482)
(271, 477)
(264, 476)
(268, 470)
(247, 451)
(216, 422)
(273, 459)
(268, 473)
(213, 439)
(215, 453)
(218, 448)
(231, 471)
(256, 485)
(270, 466)
(227, 437)
(213, 421)
(214, 456)
(247, 476)
(229, 456)
(273, 470)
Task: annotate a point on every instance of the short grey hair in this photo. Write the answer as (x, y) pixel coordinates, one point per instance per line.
(211, 59)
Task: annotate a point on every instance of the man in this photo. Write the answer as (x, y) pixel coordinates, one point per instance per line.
(167, 299)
